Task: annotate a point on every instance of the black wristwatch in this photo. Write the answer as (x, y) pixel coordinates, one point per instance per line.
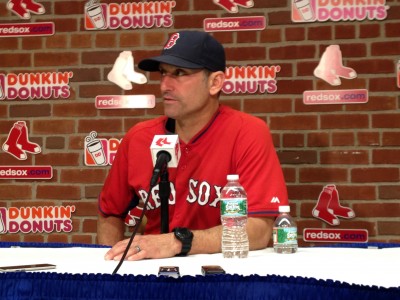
(185, 236)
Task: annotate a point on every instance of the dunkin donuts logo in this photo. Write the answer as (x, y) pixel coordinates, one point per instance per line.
(42, 219)
(100, 152)
(128, 15)
(251, 79)
(24, 86)
(338, 10)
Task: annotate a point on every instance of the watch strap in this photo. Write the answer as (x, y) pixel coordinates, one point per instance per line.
(185, 236)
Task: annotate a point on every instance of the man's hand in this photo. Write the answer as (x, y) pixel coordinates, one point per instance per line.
(146, 246)
(204, 241)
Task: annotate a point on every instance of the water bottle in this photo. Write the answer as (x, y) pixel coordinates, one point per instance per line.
(233, 202)
(285, 232)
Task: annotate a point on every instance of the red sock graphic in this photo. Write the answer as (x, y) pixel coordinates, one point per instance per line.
(34, 7)
(23, 142)
(326, 69)
(244, 3)
(10, 146)
(16, 7)
(337, 64)
(321, 210)
(337, 209)
(227, 5)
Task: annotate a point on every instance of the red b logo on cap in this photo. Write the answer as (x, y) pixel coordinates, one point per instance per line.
(172, 41)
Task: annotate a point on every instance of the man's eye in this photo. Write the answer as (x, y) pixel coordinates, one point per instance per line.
(175, 73)
(179, 73)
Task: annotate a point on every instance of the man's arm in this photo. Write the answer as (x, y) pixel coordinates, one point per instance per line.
(205, 241)
(259, 231)
(110, 230)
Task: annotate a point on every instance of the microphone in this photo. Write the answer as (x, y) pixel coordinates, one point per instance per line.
(165, 151)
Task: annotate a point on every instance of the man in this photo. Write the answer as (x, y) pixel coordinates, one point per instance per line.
(215, 141)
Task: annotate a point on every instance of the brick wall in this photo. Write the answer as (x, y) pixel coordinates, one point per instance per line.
(354, 146)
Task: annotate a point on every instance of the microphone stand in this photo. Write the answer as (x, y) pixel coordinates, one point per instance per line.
(164, 192)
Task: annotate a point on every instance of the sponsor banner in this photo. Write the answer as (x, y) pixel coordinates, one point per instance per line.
(25, 86)
(131, 15)
(27, 29)
(26, 172)
(320, 235)
(130, 101)
(234, 24)
(338, 10)
(41, 219)
(335, 97)
(100, 151)
(251, 79)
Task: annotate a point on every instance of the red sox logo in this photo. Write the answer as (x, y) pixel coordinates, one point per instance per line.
(172, 41)
(232, 5)
(24, 8)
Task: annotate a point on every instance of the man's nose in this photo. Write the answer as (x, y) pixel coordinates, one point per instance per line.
(166, 82)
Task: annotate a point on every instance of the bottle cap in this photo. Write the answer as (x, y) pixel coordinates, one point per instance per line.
(284, 208)
(232, 177)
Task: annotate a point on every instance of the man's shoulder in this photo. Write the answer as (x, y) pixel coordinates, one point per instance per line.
(151, 126)
(240, 118)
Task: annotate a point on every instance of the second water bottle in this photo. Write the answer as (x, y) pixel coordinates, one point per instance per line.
(233, 201)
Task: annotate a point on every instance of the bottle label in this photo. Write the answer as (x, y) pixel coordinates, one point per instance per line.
(233, 207)
(285, 235)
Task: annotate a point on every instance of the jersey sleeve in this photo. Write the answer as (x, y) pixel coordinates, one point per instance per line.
(116, 195)
(260, 171)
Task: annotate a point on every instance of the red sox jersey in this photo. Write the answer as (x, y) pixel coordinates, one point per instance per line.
(231, 143)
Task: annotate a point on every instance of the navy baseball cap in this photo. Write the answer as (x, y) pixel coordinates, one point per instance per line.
(191, 50)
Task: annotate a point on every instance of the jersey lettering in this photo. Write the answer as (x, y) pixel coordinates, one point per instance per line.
(192, 196)
(218, 193)
(202, 193)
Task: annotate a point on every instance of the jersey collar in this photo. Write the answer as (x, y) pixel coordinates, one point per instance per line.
(170, 126)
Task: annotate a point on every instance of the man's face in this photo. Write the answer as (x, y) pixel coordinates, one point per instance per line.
(185, 92)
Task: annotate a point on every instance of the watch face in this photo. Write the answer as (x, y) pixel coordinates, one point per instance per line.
(186, 237)
(183, 233)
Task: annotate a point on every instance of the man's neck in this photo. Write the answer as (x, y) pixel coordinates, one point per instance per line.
(189, 127)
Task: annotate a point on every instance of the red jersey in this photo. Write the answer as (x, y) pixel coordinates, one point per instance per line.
(231, 143)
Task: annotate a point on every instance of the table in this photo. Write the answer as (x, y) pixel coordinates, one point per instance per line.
(315, 273)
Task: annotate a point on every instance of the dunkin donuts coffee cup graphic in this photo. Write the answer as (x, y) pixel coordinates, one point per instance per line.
(305, 9)
(2, 80)
(3, 228)
(94, 11)
(1, 92)
(95, 148)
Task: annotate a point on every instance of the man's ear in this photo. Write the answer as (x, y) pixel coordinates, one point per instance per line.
(216, 80)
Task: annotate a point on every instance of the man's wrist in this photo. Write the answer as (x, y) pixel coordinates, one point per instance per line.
(185, 237)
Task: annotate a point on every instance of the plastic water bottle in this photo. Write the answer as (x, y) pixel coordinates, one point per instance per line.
(233, 201)
(285, 232)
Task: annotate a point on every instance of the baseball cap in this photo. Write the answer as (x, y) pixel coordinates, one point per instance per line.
(191, 50)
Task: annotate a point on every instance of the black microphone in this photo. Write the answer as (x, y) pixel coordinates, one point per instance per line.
(163, 157)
